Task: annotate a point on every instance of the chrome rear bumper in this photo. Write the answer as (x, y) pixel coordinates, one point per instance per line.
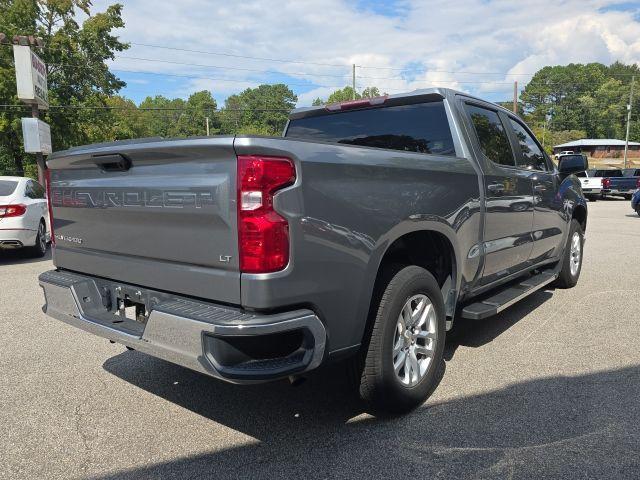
(209, 338)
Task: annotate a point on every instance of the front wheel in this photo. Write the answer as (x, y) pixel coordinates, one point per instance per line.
(403, 361)
(572, 258)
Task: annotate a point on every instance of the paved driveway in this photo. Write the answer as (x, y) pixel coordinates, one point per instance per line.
(548, 389)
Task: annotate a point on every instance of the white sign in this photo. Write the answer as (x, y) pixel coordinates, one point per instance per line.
(37, 136)
(31, 76)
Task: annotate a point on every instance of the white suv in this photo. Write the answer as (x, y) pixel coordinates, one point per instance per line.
(24, 215)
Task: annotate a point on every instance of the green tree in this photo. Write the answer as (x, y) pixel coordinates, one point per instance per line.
(556, 91)
(345, 94)
(263, 110)
(119, 121)
(371, 92)
(77, 73)
(161, 115)
(193, 119)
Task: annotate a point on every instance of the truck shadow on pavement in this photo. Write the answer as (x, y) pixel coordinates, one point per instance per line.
(19, 256)
(476, 333)
(582, 426)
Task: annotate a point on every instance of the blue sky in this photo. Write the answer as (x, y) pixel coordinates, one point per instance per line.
(479, 46)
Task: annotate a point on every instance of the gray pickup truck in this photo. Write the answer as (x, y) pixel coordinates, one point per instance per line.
(363, 235)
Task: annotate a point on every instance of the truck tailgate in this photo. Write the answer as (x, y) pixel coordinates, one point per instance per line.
(156, 213)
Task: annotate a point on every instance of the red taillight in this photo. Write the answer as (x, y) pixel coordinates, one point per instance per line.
(263, 235)
(12, 210)
(47, 184)
(606, 182)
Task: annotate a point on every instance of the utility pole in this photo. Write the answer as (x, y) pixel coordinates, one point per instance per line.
(626, 142)
(353, 82)
(207, 119)
(515, 97)
(35, 113)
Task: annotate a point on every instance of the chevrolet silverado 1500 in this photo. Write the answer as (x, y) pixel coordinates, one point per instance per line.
(363, 234)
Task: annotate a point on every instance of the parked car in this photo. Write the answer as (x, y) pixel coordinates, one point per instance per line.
(620, 182)
(24, 215)
(564, 152)
(591, 185)
(363, 234)
(635, 201)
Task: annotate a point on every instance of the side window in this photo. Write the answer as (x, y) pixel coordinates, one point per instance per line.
(28, 191)
(492, 135)
(532, 156)
(38, 190)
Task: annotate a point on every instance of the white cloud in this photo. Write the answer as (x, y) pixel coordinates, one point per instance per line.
(473, 45)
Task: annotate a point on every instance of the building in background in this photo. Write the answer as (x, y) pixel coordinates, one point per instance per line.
(600, 148)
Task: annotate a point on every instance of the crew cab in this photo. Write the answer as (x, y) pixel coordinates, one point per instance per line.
(362, 235)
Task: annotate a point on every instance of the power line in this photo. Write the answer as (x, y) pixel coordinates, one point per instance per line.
(136, 108)
(223, 79)
(233, 55)
(229, 68)
(422, 69)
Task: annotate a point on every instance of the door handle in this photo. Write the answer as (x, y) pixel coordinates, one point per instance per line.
(496, 188)
(539, 188)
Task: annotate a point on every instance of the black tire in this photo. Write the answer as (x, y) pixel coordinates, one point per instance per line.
(40, 248)
(379, 386)
(567, 278)
(638, 211)
(628, 197)
(592, 198)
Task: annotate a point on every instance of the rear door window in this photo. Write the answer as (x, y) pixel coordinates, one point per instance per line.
(420, 127)
(492, 135)
(38, 190)
(532, 156)
(609, 173)
(7, 187)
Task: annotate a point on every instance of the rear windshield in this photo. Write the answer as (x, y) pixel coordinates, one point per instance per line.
(565, 157)
(631, 172)
(7, 187)
(421, 127)
(608, 173)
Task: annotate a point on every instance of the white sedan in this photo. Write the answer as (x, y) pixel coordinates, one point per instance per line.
(24, 215)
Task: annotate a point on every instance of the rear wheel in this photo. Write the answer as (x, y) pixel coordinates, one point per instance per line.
(403, 362)
(572, 259)
(40, 248)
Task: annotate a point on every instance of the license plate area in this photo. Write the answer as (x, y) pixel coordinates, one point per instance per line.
(130, 306)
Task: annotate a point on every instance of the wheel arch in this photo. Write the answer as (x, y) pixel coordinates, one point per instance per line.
(402, 250)
(580, 214)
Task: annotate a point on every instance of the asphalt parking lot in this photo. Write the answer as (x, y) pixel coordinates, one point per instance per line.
(548, 389)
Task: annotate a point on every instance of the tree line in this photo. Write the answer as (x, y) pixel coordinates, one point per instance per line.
(560, 103)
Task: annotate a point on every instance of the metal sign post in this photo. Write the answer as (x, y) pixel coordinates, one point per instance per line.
(31, 82)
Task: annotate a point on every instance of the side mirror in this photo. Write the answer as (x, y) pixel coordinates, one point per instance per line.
(569, 164)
